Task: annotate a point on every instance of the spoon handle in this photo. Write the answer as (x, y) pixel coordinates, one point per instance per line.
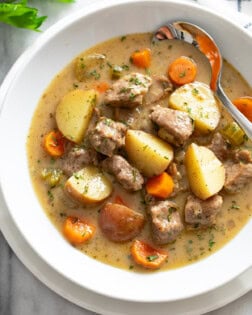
(242, 121)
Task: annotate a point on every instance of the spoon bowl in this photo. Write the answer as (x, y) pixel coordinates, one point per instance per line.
(199, 38)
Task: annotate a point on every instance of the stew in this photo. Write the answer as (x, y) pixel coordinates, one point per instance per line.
(134, 159)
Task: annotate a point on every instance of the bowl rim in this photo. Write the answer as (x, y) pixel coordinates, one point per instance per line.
(8, 84)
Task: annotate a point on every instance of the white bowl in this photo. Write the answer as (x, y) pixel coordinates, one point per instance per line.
(56, 48)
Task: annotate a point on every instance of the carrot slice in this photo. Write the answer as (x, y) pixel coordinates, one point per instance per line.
(102, 87)
(244, 104)
(77, 231)
(182, 70)
(160, 186)
(141, 58)
(54, 143)
(147, 256)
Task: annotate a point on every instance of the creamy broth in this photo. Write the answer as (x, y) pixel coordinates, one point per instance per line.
(190, 246)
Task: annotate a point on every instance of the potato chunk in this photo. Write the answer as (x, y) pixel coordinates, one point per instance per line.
(120, 223)
(73, 113)
(206, 173)
(199, 102)
(89, 185)
(148, 153)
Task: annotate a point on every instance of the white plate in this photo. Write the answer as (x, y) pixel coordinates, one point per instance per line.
(20, 93)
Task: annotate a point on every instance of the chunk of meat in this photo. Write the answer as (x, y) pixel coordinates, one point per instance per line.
(128, 176)
(78, 157)
(135, 118)
(178, 173)
(160, 88)
(219, 146)
(165, 222)
(120, 223)
(202, 213)
(128, 91)
(107, 136)
(242, 155)
(237, 176)
(178, 125)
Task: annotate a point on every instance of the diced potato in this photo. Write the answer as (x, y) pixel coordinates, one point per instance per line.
(89, 185)
(148, 153)
(86, 67)
(199, 102)
(74, 112)
(206, 173)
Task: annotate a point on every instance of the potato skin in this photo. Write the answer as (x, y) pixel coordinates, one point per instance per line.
(120, 223)
(88, 186)
(150, 154)
(74, 112)
(205, 172)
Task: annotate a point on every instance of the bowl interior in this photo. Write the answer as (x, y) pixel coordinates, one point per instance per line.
(56, 48)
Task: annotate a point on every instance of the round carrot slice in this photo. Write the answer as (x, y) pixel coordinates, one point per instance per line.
(147, 256)
(244, 104)
(77, 231)
(182, 70)
(54, 143)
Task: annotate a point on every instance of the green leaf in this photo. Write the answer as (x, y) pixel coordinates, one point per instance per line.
(66, 1)
(19, 15)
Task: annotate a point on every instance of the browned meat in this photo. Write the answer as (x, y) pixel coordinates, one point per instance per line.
(242, 155)
(160, 88)
(202, 213)
(237, 176)
(179, 177)
(107, 136)
(135, 118)
(178, 126)
(128, 91)
(219, 146)
(128, 176)
(77, 158)
(165, 222)
(120, 223)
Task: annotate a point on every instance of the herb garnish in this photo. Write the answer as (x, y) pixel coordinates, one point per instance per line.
(195, 92)
(19, 14)
(152, 257)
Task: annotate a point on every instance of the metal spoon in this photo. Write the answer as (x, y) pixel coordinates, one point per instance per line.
(199, 38)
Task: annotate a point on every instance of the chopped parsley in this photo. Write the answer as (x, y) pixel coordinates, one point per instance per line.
(182, 74)
(195, 92)
(85, 189)
(134, 173)
(152, 257)
(124, 90)
(234, 205)
(132, 96)
(50, 195)
(95, 74)
(107, 122)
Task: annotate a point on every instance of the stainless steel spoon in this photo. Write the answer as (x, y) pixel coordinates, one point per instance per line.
(199, 38)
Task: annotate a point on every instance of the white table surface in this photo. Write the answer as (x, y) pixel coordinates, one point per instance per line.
(20, 292)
